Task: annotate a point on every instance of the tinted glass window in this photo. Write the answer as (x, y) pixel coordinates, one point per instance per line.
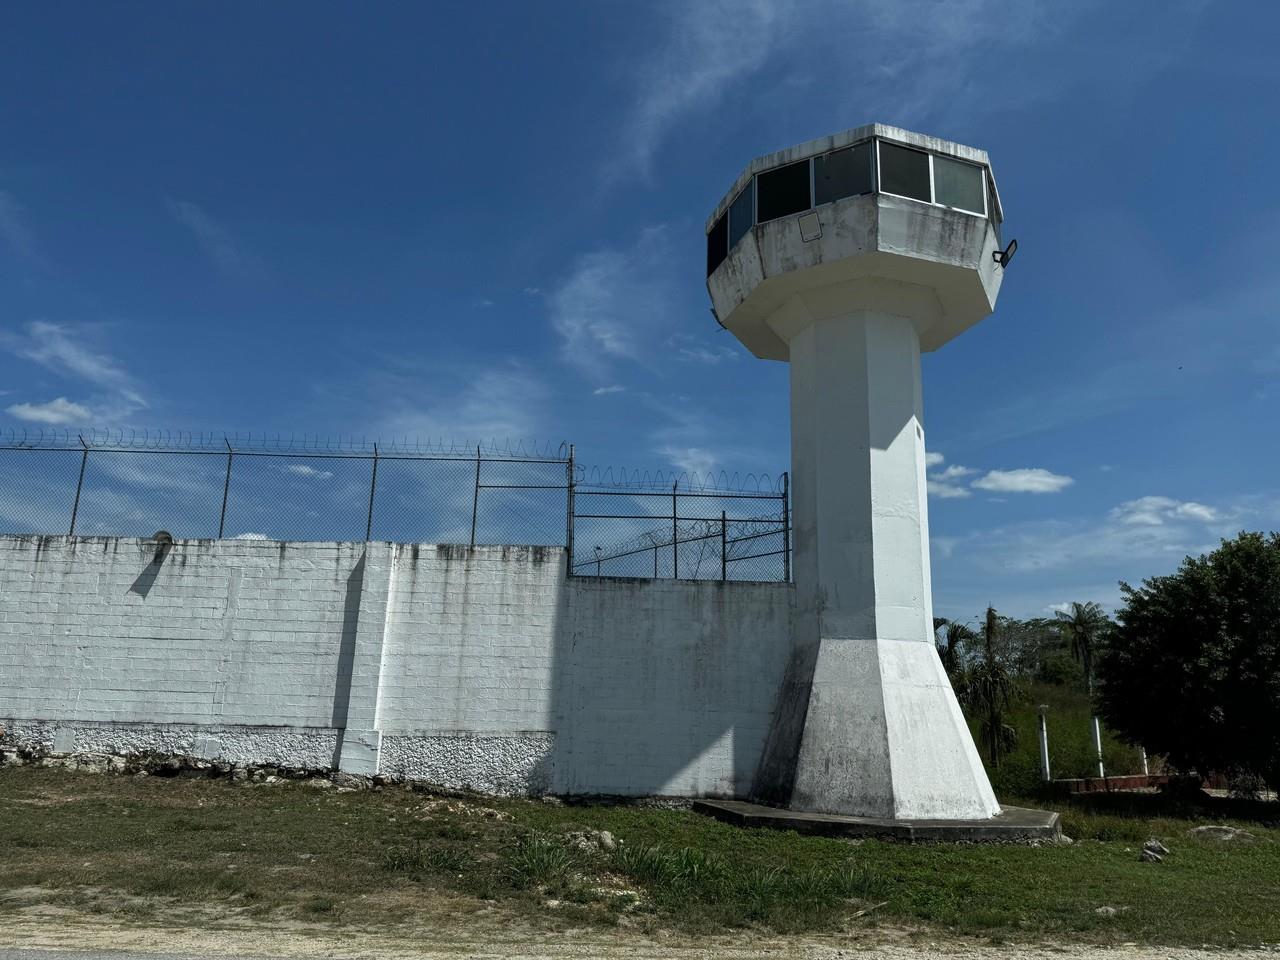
(845, 173)
(958, 184)
(718, 244)
(783, 191)
(741, 216)
(904, 172)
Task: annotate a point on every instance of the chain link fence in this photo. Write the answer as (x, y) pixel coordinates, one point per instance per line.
(309, 490)
(682, 530)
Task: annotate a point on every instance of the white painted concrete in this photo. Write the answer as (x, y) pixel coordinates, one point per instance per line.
(870, 725)
(482, 668)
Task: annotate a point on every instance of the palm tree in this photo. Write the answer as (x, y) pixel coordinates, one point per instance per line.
(955, 636)
(1084, 625)
(987, 689)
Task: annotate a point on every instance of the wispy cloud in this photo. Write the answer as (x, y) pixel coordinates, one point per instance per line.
(13, 228)
(916, 61)
(611, 298)
(1024, 480)
(215, 240)
(66, 350)
(310, 472)
(507, 402)
(57, 412)
(707, 47)
(605, 391)
(690, 350)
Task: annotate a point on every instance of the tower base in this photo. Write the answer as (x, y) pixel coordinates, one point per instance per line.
(871, 728)
(1011, 825)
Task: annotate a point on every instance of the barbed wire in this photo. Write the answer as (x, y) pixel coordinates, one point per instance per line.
(683, 480)
(185, 441)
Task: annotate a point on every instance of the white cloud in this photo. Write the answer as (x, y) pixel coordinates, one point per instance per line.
(1063, 607)
(932, 459)
(214, 239)
(947, 491)
(57, 412)
(304, 470)
(692, 460)
(612, 299)
(605, 391)
(954, 472)
(1157, 511)
(65, 350)
(1024, 480)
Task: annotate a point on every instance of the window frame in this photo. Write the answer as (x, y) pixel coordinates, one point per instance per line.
(875, 173)
(985, 214)
(755, 180)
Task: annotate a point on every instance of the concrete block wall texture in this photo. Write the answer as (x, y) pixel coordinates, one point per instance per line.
(484, 668)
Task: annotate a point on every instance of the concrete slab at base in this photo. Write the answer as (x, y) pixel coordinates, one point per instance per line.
(1011, 824)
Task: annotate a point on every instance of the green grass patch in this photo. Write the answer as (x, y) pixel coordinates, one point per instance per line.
(143, 847)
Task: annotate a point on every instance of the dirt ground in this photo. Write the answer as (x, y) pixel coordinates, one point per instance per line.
(66, 930)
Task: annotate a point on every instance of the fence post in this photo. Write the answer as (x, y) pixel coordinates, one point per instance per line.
(475, 500)
(655, 561)
(1097, 748)
(724, 548)
(75, 507)
(568, 533)
(786, 528)
(1044, 745)
(675, 535)
(373, 486)
(226, 488)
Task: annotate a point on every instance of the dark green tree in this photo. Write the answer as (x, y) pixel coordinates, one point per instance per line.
(1192, 670)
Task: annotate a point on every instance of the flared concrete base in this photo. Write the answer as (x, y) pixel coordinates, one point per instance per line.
(1011, 825)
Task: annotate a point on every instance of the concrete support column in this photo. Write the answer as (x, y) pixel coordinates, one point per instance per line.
(883, 735)
(371, 595)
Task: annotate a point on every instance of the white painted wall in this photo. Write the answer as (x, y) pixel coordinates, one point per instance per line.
(482, 668)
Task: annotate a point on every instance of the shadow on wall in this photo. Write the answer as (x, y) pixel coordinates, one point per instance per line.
(664, 687)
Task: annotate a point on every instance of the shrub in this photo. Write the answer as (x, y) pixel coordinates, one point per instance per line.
(536, 860)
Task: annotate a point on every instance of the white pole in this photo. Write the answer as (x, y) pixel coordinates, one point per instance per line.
(1145, 771)
(1097, 747)
(1044, 747)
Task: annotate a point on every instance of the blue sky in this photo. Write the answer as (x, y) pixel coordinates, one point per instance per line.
(485, 221)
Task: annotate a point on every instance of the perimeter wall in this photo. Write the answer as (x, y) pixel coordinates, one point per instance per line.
(485, 668)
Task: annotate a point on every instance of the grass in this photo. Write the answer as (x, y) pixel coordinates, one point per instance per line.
(149, 847)
(1071, 752)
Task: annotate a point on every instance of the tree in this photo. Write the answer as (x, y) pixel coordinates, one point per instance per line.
(1084, 625)
(986, 688)
(1192, 670)
(955, 637)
